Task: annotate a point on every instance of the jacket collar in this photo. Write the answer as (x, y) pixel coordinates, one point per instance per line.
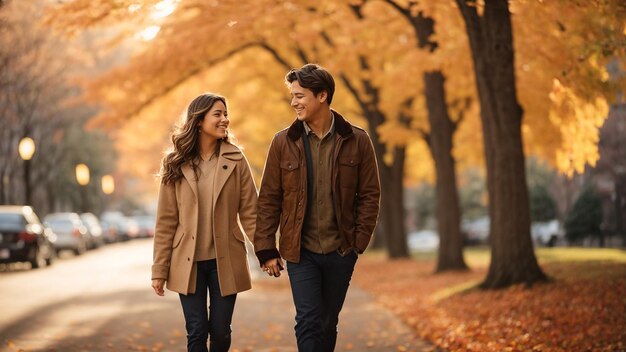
(228, 154)
(342, 127)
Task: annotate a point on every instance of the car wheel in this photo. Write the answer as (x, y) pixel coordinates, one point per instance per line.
(52, 255)
(38, 260)
(82, 248)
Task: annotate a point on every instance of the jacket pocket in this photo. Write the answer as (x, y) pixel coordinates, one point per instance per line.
(289, 172)
(238, 234)
(349, 171)
(178, 236)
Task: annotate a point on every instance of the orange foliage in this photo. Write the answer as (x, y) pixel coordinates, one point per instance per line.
(583, 310)
(223, 46)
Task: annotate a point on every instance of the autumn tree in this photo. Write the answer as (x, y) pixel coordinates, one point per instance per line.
(252, 32)
(565, 93)
(34, 93)
(491, 39)
(440, 142)
(375, 56)
(612, 165)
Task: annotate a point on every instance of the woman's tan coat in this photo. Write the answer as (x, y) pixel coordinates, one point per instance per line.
(177, 223)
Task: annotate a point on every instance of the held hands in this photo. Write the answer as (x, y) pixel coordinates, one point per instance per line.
(157, 285)
(273, 267)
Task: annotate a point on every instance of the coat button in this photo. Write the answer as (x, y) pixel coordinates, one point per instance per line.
(289, 166)
(188, 259)
(224, 167)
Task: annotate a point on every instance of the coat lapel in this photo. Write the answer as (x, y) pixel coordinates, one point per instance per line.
(229, 156)
(191, 178)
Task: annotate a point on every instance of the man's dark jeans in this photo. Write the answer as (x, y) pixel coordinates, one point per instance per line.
(319, 283)
(217, 322)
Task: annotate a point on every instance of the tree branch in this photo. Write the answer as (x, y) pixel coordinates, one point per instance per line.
(183, 77)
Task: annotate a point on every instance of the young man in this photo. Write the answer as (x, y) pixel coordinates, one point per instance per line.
(320, 187)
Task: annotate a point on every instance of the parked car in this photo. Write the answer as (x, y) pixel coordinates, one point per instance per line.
(145, 225)
(476, 231)
(94, 230)
(125, 228)
(547, 233)
(423, 241)
(109, 232)
(70, 230)
(23, 238)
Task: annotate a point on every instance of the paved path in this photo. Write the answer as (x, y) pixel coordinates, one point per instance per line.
(101, 301)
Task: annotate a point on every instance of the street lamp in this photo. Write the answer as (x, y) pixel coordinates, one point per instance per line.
(26, 149)
(82, 177)
(108, 184)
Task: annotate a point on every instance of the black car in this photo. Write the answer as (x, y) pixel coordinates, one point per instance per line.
(23, 238)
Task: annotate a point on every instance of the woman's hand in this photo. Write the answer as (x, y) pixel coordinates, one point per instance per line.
(157, 285)
(273, 267)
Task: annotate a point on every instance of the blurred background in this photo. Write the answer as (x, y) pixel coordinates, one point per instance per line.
(499, 129)
(91, 92)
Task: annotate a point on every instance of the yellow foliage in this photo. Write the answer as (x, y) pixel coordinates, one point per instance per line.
(579, 122)
(214, 45)
(419, 166)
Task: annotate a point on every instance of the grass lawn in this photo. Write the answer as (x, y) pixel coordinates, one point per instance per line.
(583, 309)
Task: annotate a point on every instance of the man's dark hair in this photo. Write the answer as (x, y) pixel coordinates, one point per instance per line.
(313, 77)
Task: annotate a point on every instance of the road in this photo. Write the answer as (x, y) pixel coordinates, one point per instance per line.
(102, 301)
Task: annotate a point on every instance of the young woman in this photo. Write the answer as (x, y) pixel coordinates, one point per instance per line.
(199, 247)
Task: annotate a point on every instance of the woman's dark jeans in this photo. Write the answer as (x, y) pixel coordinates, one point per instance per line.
(216, 322)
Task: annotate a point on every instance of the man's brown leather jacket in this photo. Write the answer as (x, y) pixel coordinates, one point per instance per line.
(283, 196)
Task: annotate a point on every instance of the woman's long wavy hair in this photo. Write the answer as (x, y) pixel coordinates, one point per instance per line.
(186, 140)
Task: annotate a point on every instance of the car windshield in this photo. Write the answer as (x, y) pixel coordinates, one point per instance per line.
(60, 224)
(11, 221)
(145, 221)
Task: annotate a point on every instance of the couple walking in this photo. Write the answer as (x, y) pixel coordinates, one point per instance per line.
(320, 187)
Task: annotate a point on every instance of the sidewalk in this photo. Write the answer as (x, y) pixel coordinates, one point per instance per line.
(264, 321)
(79, 305)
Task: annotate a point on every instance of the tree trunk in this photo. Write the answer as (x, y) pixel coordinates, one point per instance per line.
(491, 40)
(620, 197)
(391, 220)
(450, 254)
(2, 187)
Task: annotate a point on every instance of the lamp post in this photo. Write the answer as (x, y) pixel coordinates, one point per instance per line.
(82, 177)
(26, 149)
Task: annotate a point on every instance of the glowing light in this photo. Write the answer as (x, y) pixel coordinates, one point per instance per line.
(108, 184)
(149, 33)
(82, 174)
(134, 8)
(164, 9)
(26, 148)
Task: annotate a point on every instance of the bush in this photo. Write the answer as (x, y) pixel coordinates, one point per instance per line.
(585, 216)
(542, 205)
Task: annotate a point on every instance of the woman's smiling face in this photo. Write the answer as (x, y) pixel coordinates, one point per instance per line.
(215, 122)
